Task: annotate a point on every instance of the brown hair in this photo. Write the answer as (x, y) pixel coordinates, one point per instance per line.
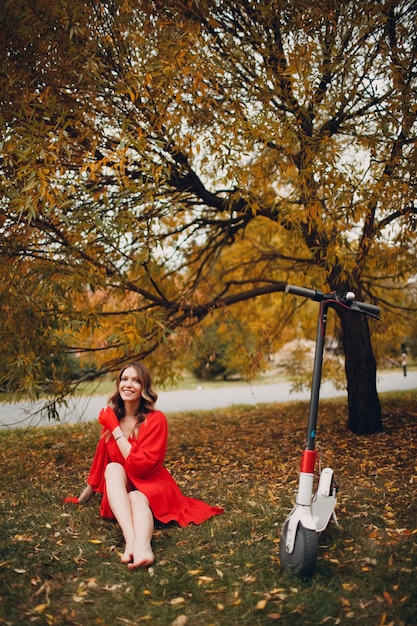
(148, 395)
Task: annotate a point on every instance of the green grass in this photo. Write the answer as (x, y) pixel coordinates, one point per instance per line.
(60, 565)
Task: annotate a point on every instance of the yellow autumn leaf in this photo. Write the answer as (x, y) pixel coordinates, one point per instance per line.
(204, 579)
(39, 608)
(261, 605)
(348, 586)
(22, 538)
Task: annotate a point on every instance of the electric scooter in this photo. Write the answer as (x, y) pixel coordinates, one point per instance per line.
(312, 512)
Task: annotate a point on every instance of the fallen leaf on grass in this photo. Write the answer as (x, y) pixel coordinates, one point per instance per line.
(176, 601)
(388, 597)
(77, 598)
(202, 580)
(261, 605)
(22, 538)
(128, 622)
(113, 587)
(249, 579)
(364, 605)
(215, 591)
(348, 586)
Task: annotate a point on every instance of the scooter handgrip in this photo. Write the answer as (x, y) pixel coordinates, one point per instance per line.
(301, 291)
(367, 308)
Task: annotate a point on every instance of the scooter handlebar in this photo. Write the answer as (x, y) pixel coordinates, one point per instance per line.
(371, 309)
(302, 291)
(349, 300)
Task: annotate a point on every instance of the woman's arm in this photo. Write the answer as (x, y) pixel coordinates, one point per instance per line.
(85, 494)
(122, 442)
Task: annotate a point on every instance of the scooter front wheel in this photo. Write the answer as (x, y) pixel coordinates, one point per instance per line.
(302, 560)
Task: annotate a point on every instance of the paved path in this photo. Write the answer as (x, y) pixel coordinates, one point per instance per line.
(82, 409)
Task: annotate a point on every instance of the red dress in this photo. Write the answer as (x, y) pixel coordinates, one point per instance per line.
(146, 472)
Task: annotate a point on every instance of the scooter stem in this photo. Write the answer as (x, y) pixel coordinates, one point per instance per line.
(315, 386)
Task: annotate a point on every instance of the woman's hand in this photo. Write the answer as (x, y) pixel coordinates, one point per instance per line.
(108, 419)
(84, 496)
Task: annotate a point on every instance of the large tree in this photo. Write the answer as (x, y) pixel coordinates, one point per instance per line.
(161, 160)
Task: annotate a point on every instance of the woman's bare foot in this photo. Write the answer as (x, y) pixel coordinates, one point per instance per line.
(142, 557)
(128, 553)
(127, 557)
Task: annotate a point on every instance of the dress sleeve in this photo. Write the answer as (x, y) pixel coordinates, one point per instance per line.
(148, 451)
(100, 460)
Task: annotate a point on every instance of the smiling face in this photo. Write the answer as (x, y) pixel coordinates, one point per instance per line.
(133, 394)
(130, 387)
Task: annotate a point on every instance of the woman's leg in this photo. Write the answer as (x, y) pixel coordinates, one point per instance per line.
(143, 526)
(116, 487)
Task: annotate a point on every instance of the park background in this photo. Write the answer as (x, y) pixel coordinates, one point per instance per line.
(166, 169)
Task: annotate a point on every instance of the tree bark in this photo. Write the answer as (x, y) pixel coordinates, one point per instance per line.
(363, 403)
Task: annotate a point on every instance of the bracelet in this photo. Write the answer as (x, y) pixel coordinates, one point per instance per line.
(118, 437)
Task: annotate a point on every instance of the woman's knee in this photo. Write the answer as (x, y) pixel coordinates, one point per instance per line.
(114, 471)
(139, 498)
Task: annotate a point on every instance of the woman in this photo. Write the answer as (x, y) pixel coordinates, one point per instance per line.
(128, 468)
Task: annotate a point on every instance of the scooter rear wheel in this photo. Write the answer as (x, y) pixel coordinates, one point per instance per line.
(302, 561)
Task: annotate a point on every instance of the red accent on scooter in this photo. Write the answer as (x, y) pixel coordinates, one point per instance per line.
(308, 461)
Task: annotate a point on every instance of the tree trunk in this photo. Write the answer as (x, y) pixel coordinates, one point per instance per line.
(360, 366)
